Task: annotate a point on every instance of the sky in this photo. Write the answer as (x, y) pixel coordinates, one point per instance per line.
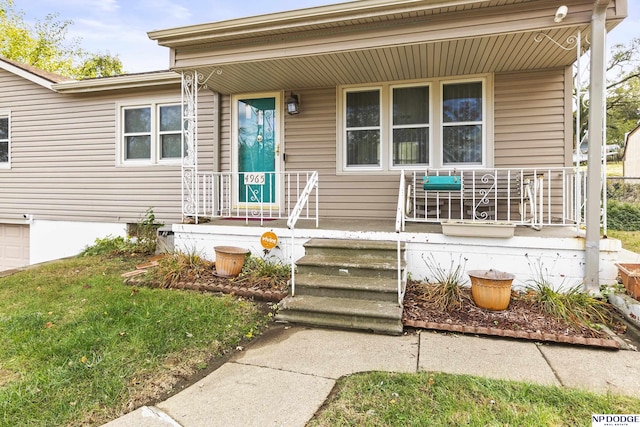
(120, 27)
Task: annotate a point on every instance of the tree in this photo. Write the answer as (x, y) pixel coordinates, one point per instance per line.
(46, 46)
(622, 93)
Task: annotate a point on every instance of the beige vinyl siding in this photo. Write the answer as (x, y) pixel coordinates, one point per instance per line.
(63, 164)
(533, 124)
(528, 122)
(311, 145)
(530, 116)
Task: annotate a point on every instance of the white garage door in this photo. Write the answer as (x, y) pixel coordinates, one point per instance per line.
(14, 246)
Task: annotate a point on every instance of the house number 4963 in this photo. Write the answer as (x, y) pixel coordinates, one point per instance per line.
(254, 178)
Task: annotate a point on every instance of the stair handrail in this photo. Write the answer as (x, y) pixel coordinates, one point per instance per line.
(400, 212)
(303, 199)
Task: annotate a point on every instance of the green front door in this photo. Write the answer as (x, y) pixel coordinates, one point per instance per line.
(257, 133)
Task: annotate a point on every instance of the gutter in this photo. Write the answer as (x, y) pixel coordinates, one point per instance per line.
(126, 81)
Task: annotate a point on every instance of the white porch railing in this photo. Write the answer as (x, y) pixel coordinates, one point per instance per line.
(253, 196)
(303, 201)
(536, 196)
(400, 217)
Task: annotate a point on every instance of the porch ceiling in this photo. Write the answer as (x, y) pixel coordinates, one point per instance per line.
(511, 52)
(384, 41)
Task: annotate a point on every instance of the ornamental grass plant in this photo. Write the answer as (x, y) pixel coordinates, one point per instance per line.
(568, 303)
(442, 289)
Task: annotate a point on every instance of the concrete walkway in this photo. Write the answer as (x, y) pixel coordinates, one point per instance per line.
(283, 379)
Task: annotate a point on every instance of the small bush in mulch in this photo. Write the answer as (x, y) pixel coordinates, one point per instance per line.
(523, 319)
(265, 279)
(445, 302)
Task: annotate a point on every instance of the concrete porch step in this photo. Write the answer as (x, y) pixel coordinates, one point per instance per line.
(350, 284)
(354, 264)
(376, 316)
(344, 247)
(354, 287)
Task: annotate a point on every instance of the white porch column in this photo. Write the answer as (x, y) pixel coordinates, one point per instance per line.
(190, 86)
(596, 132)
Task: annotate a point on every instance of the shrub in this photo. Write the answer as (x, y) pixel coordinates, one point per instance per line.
(623, 216)
(621, 191)
(142, 240)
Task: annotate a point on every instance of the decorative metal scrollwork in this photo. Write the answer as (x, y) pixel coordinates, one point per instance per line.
(569, 44)
(485, 194)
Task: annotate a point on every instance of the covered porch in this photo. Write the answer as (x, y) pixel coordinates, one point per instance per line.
(557, 252)
(349, 110)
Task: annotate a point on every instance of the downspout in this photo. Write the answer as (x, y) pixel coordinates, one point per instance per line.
(594, 156)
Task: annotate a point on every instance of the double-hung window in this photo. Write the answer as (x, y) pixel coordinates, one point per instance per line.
(5, 144)
(435, 123)
(363, 128)
(151, 134)
(462, 123)
(410, 125)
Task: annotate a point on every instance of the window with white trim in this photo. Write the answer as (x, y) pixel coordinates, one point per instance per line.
(5, 141)
(436, 123)
(362, 130)
(150, 134)
(462, 123)
(410, 125)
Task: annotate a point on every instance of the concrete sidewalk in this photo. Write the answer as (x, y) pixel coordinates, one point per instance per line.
(284, 379)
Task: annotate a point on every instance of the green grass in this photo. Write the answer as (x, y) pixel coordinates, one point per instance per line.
(614, 168)
(430, 399)
(79, 346)
(630, 239)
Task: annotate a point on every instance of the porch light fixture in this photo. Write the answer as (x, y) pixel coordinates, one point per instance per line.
(561, 13)
(293, 104)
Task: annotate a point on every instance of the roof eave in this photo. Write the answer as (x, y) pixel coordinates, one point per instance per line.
(26, 74)
(127, 81)
(353, 10)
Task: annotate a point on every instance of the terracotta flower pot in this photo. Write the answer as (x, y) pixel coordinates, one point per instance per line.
(229, 260)
(491, 289)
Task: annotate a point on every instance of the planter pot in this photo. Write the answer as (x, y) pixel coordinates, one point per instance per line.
(630, 275)
(491, 289)
(503, 230)
(229, 260)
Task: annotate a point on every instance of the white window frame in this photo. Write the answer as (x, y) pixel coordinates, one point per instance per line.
(482, 123)
(435, 124)
(7, 114)
(429, 126)
(381, 127)
(156, 140)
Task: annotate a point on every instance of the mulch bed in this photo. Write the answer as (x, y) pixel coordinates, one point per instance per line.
(521, 320)
(210, 282)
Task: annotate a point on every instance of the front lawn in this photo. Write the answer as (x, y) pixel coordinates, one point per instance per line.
(433, 399)
(80, 347)
(630, 239)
